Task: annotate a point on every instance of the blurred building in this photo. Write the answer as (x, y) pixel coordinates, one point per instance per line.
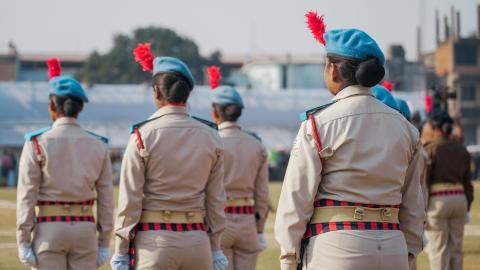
(456, 63)
(32, 67)
(405, 75)
(276, 72)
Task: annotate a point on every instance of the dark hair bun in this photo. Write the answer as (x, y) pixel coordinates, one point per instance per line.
(370, 72)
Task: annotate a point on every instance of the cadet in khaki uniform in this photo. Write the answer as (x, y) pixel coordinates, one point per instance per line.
(451, 195)
(171, 197)
(63, 170)
(351, 197)
(246, 183)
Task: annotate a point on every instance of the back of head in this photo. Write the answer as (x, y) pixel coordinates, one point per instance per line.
(174, 87)
(441, 120)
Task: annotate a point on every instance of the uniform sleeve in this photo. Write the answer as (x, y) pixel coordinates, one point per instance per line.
(215, 202)
(412, 210)
(300, 186)
(29, 180)
(467, 183)
(424, 162)
(105, 205)
(132, 180)
(261, 192)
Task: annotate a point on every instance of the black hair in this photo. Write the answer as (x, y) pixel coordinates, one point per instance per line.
(67, 105)
(366, 73)
(440, 119)
(230, 112)
(174, 87)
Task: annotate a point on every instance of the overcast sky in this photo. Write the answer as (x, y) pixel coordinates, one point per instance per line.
(242, 26)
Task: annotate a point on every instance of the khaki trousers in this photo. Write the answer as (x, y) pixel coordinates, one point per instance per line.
(446, 221)
(240, 242)
(166, 250)
(65, 245)
(357, 250)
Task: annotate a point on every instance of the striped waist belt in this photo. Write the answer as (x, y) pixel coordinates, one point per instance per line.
(174, 221)
(445, 189)
(54, 211)
(240, 206)
(331, 215)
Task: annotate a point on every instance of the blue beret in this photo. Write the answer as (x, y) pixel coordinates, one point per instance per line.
(172, 65)
(66, 86)
(352, 43)
(226, 95)
(403, 107)
(382, 94)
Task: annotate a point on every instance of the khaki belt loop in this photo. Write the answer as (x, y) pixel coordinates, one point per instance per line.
(386, 214)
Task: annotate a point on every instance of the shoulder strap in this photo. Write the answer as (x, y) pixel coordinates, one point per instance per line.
(254, 135)
(32, 136)
(206, 122)
(103, 139)
(304, 116)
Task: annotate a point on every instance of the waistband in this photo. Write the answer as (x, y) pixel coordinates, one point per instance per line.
(64, 210)
(445, 189)
(240, 210)
(88, 202)
(331, 215)
(171, 217)
(240, 202)
(66, 219)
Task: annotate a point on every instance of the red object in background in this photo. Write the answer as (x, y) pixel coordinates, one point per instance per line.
(388, 85)
(316, 25)
(144, 56)
(54, 69)
(214, 76)
(428, 103)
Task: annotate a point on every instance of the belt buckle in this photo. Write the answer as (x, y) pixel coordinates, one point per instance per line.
(386, 214)
(166, 215)
(66, 208)
(85, 208)
(359, 213)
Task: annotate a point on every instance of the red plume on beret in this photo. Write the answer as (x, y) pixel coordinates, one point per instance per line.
(388, 85)
(144, 56)
(54, 69)
(214, 76)
(316, 25)
(428, 103)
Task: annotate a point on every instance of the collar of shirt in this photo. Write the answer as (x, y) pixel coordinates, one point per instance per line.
(169, 109)
(352, 90)
(65, 121)
(227, 124)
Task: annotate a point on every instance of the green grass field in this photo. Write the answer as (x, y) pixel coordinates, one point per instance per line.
(268, 259)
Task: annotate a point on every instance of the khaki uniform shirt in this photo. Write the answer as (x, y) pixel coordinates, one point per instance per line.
(183, 172)
(76, 167)
(370, 155)
(450, 163)
(246, 168)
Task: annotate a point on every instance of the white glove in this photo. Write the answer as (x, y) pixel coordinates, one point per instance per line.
(220, 262)
(26, 255)
(468, 218)
(262, 242)
(120, 262)
(103, 254)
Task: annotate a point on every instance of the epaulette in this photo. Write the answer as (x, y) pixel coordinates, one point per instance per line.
(253, 134)
(30, 135)
(304, 115)
(103, 139)
(206, 122)
(139, 124)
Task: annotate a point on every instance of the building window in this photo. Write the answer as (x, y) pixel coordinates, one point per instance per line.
(468, 92)
(465, 54)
